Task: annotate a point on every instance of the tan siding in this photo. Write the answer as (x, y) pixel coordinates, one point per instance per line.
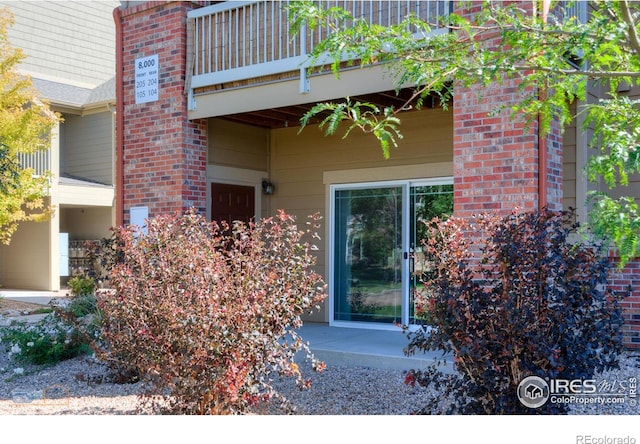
(299, 159)
(95, 196)
(88, 147)
(574, 176)
(299, 162)
(634, 180)
(633, 190)
(236, 145)
(73, 41)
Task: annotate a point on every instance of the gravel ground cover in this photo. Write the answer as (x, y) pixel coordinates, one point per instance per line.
(82, 386)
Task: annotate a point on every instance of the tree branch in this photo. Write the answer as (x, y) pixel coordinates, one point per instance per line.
(575, 72)
(633, 35)
(422, 90)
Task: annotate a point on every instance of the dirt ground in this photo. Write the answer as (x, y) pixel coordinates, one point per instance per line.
(9, 304)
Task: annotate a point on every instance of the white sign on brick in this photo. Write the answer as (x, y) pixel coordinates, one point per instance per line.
(147, 79)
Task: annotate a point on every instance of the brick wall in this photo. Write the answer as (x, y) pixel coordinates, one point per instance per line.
(495, 159)
(627, 282)
(164, 154)
(497, 168)
(497, 164)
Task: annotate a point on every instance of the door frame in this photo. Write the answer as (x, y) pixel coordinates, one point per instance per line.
(406, 185)
(236, 176)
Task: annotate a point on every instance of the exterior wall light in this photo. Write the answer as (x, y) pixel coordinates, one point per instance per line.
(267, 187)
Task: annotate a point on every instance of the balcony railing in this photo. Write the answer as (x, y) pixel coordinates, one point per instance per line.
(570, 10)
(239, 40)
(40, 161)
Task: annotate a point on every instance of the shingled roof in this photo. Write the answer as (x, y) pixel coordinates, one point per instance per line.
(75, 96)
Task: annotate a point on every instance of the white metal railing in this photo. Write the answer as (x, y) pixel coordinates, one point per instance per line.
(570, 9)
(238, 40)
(40, 161)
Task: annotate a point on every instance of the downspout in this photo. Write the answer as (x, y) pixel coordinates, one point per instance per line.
(542, 160)
(117, 17)
(542, 139)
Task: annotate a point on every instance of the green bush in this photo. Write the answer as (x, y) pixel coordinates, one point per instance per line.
(83, 315)
(46, 342)
(68, 331)
(510, 298)
(206, 314)
(81, 306)
(82, 285)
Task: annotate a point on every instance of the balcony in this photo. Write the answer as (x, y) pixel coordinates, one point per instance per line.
(40, 161)
(570, 10)
(69, 190)
(243, 44)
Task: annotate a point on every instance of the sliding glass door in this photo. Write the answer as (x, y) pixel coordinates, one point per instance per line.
(426, 202)
(367, 254)
(375, 231)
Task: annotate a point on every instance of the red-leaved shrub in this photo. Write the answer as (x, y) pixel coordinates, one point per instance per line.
(512, 297)
(207, 314)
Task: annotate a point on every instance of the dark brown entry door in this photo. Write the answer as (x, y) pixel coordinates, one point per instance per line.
(232, 202)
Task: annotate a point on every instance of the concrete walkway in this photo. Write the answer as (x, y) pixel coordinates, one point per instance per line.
(32, 296)
(332, 345)
(365, 347)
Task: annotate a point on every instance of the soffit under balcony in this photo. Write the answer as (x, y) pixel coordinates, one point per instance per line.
(74, 191)
(289, 116)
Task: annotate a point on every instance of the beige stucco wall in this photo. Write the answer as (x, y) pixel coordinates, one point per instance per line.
(304, 165)
(25, 263)
(84, 223)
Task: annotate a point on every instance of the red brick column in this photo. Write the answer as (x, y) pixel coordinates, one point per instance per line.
(498, 166)
(164, 154)
(499, 163)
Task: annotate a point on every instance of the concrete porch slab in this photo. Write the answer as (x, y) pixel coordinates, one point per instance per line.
(366, 348)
